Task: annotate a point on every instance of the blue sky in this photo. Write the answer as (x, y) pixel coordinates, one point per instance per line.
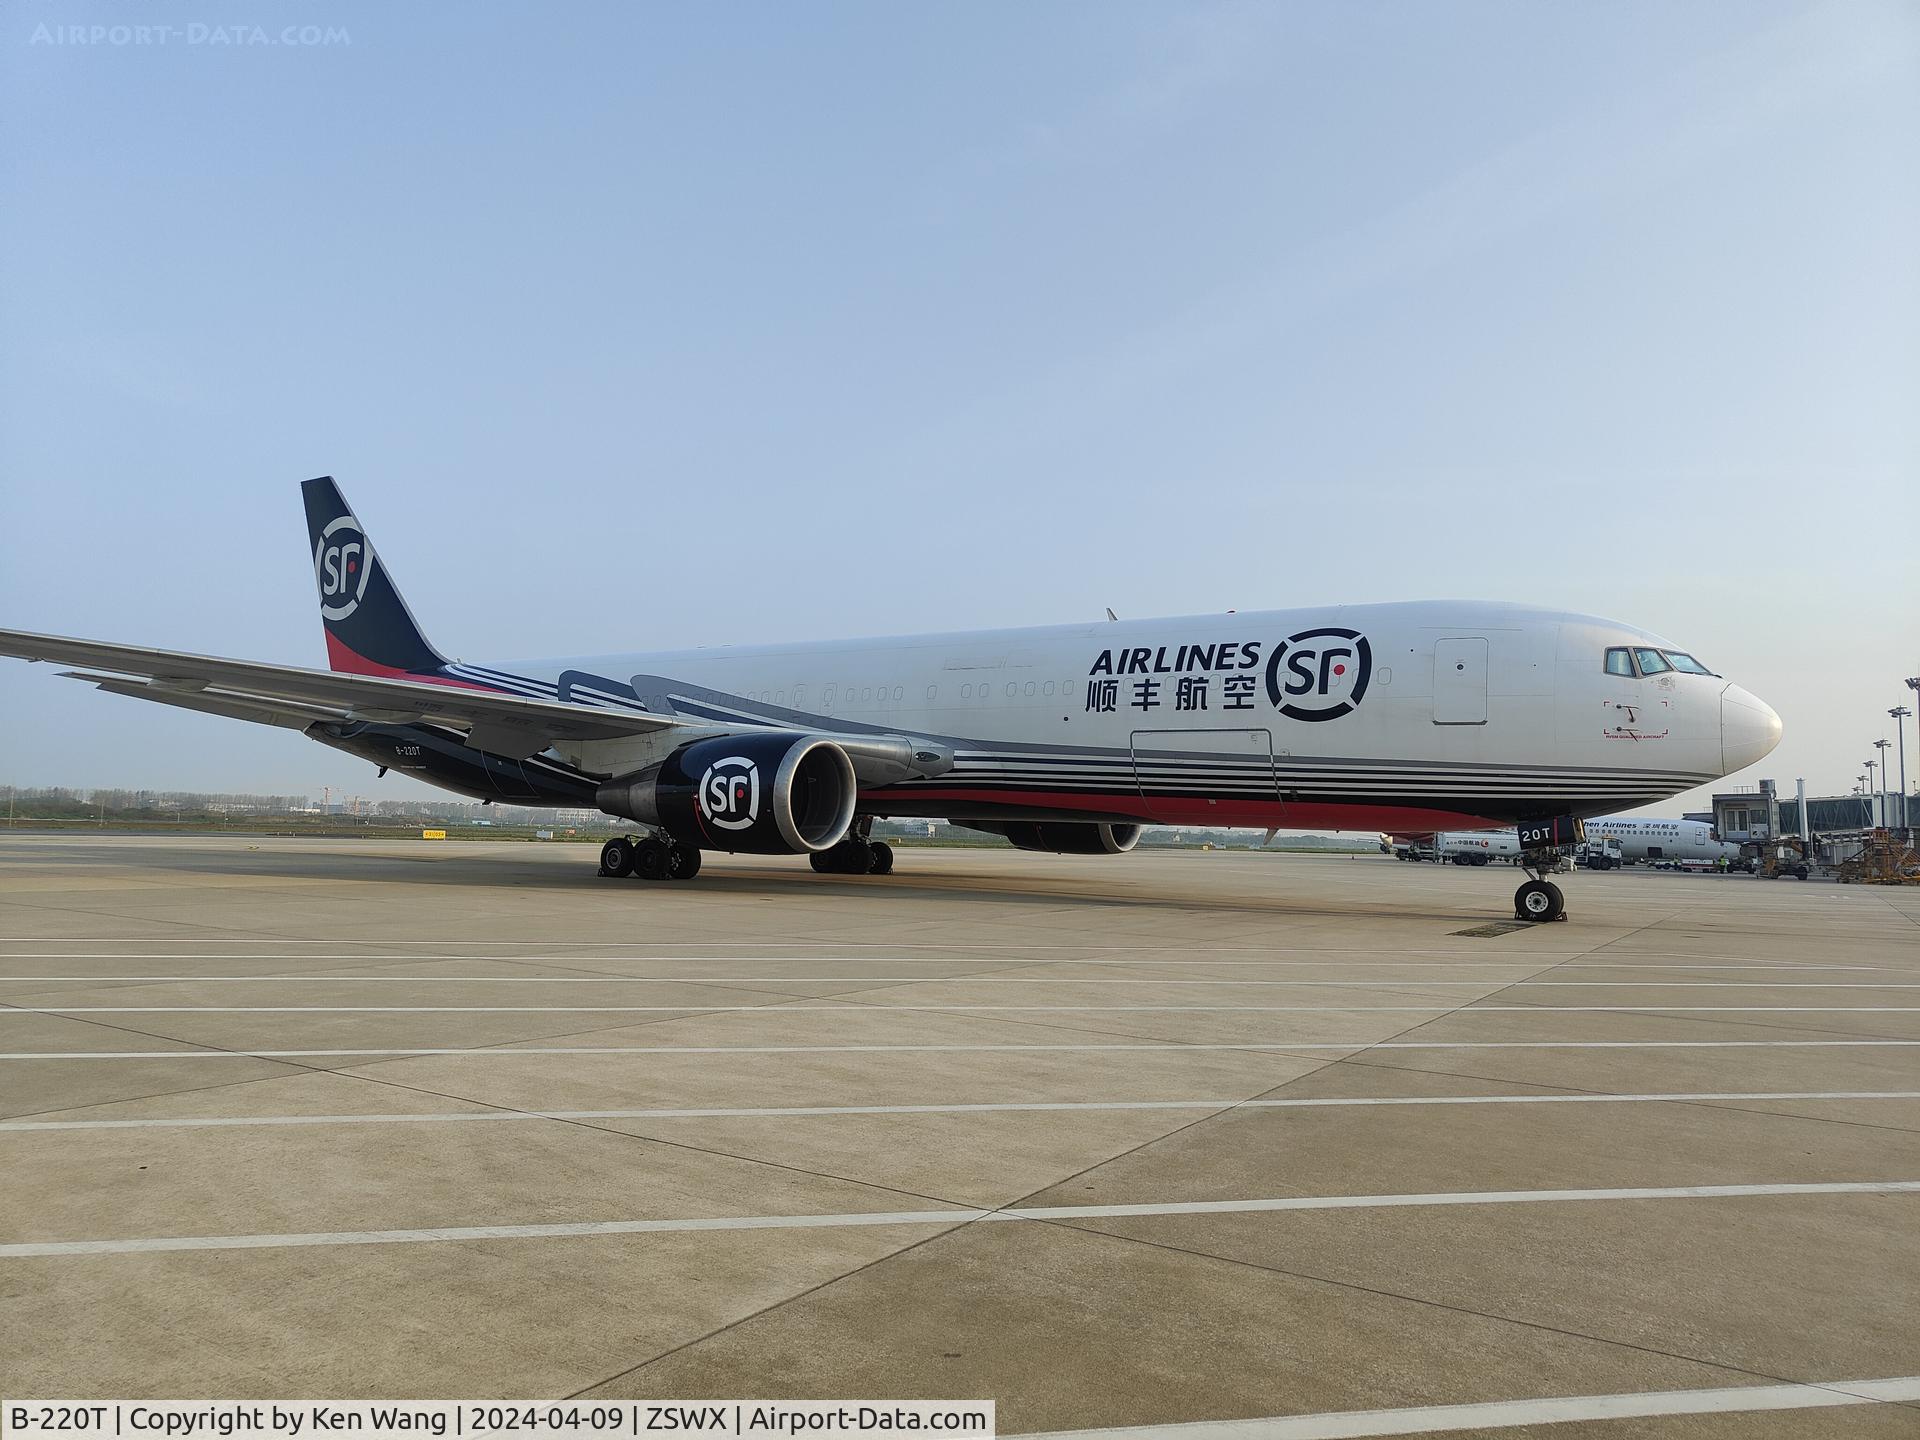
(635, 326)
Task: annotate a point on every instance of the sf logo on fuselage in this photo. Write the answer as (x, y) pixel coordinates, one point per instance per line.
(341, 564)
(730, 793)
(1319, 674)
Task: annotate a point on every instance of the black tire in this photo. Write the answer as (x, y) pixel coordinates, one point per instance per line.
(882, 858)
(1800, 872)
(1478, 861)
(616, 857)
(1538, 901)
(683, 862)
(853, 857)
(822, 861)
(650, 860)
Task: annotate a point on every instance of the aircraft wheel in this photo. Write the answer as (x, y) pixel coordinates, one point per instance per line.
(616, 857)
(683, 862)
(852, 856)
(882, 858)
(650, 859)
(1538, 900)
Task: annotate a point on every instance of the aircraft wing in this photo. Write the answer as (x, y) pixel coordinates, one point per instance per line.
(293, 695)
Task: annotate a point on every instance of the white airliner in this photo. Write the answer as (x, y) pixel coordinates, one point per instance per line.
(1665, 839)
(1429, 716)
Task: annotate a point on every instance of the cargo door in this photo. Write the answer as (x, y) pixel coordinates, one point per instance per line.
(1460, 681)
(1199, 777)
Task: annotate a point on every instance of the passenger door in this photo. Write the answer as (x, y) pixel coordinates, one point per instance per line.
(1460, 681)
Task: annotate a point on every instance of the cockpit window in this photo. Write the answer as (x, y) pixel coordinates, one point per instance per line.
(1686, 663)
(1619, 662)
(1652, 662)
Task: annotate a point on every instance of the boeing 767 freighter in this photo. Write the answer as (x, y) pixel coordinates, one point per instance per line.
(1434, 715)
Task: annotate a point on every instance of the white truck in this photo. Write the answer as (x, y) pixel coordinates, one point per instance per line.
(1600, 852)
(1476, 847)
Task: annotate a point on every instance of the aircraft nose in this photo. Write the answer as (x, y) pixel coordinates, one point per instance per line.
(1749, 729)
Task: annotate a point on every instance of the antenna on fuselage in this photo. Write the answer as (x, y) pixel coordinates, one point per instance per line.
(1110, 614)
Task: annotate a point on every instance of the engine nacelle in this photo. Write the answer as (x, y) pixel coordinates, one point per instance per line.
(1065, 837)
(772, 793)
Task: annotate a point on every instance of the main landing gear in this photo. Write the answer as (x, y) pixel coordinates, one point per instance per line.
(650, 857)
(855, 855)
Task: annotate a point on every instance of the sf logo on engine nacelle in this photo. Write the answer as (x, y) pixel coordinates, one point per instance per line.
(1319, 674)
(341, 564)
(730, 793)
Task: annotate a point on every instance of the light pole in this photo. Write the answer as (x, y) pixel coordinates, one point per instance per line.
(1897, 714)
(1872, 806)
(1886, 785)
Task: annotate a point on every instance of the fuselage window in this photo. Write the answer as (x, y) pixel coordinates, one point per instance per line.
(1652, 662)
(1048, 687)
(966, 692)
(1029, 687)
(866, 693)
(1619, 662)
(1012, 689)
(1686, 663)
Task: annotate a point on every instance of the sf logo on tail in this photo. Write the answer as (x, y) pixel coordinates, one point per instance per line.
(341, 564)
(730, 793)
(1319, 674)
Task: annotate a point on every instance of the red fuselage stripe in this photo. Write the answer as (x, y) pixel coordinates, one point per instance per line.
(1193, 809)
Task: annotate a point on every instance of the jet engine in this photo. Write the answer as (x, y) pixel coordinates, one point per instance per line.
(768, 793)
(1065, 837)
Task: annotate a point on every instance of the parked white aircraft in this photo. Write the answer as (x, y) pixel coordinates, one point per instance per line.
(1665, 839)
(1428, 716)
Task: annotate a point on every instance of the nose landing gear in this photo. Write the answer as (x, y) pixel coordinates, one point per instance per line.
(1544, 849)
(1539, 900)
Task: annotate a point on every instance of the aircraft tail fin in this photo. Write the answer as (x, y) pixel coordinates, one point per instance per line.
(369, 629)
